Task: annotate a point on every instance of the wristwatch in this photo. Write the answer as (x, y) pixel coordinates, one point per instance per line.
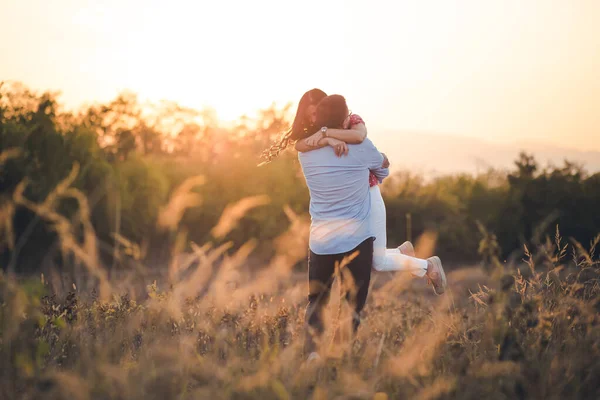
(324, 131)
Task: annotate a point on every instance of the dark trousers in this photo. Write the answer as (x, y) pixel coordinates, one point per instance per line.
(355, 276)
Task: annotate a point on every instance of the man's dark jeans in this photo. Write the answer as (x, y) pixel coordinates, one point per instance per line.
(321, 272)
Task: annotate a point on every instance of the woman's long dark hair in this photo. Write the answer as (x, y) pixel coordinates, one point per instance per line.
(301, 125)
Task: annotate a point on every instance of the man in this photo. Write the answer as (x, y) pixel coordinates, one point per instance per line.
(339, 207)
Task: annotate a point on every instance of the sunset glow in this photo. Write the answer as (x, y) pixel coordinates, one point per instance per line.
(507, 71)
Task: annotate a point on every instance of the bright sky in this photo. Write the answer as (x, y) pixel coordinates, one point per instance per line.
(525, 70)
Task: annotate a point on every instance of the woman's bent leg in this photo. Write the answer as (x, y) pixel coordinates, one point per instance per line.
(378, 226)
(389, 259)
(393, 260)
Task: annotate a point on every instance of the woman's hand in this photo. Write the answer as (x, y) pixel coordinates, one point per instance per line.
(386, 162)
(313, 141)
(339, 147)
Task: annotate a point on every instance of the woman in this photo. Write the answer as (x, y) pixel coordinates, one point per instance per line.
(349, 128)
(304, 125)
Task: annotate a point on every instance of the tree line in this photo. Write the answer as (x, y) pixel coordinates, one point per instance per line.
(132, 156)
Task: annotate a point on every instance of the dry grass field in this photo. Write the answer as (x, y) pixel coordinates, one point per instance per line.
(208, 327)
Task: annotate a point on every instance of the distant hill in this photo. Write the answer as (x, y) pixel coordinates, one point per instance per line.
(433, 154)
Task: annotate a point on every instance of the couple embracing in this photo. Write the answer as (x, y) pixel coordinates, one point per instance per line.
(343, 170)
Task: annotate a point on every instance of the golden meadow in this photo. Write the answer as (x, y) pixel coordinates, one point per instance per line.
(145, 256)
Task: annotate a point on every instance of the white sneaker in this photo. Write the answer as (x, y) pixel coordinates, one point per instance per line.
(314, 356)
(435, 275)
